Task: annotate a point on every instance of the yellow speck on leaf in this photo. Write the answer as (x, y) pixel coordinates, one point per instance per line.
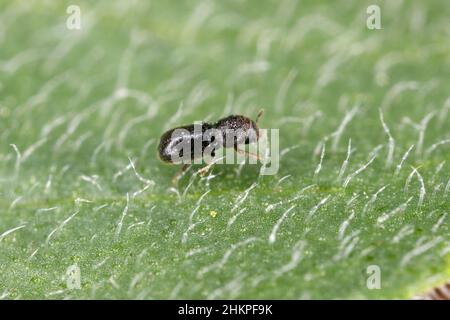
(213, 214)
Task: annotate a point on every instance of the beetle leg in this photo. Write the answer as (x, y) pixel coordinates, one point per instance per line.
(260, 113)
(180, 174)
(250, 154)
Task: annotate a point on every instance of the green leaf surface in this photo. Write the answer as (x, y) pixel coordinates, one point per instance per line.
(81, 113)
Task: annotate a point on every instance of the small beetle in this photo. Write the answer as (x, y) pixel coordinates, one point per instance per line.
(173, 141)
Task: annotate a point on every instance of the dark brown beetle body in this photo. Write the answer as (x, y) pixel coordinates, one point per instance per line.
(171, 142)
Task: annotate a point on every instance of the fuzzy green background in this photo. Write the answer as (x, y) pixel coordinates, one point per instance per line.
(77, 105)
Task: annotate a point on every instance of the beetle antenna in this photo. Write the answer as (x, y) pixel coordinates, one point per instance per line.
(260, 113)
